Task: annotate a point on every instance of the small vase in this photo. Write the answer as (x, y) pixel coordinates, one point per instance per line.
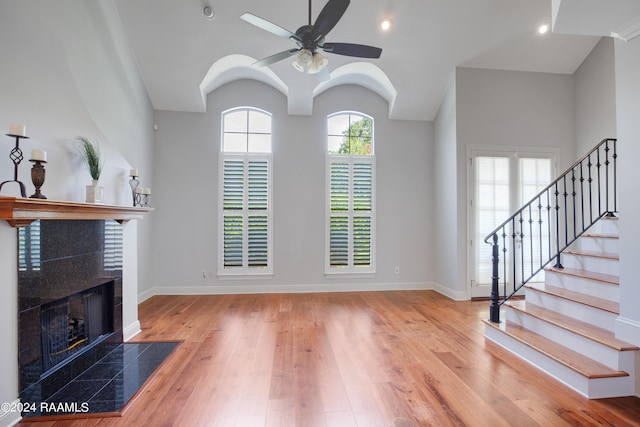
(95, 193)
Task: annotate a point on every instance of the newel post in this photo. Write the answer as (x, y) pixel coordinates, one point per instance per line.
(494, 309)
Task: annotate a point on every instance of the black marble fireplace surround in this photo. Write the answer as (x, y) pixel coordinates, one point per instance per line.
(59, 259)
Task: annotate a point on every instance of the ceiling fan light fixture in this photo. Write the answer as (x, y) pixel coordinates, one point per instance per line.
(304, 58)
(318, 63)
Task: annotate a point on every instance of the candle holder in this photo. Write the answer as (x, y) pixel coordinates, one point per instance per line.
(37, 177)
(137, 199)
(16, 158)
(133, 182)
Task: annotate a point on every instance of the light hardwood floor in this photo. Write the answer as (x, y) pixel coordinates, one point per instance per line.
(407, 358)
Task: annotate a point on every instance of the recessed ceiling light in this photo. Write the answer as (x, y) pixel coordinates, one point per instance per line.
(385, 24)
(542, 29)
(208, 12)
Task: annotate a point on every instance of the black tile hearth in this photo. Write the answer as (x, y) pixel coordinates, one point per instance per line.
(108, 384)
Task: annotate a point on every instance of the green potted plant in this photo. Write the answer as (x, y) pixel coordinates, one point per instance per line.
(90, 152)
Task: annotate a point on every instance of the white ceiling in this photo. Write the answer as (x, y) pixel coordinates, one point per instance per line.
(175, 47)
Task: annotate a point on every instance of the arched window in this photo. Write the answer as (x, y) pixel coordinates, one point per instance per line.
(245, 214)
(350, 225)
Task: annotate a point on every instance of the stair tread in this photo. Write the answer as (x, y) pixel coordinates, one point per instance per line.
(601, 277)
(593, 254)
(587, 330)
(579, 363)
(591, 301)
(601, 236)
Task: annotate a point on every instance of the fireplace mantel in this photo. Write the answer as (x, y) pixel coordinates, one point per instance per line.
(20, 212)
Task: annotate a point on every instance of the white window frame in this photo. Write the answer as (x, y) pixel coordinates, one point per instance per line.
(245, 157)
(351, 269)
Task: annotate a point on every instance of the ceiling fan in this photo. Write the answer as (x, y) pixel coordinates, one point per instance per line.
(310, 39)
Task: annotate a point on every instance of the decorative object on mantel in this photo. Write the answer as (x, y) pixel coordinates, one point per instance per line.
(90, 152)
(38, 157)
(143, 197)
(16, 131)
(134, 182)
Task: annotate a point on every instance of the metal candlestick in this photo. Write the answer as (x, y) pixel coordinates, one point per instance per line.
(133, 182)
(16, 158)
(37, 177)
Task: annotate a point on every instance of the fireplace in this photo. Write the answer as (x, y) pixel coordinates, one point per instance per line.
(72, 324)
(70, 301)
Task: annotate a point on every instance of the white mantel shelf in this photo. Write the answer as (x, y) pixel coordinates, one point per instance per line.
(20, 212)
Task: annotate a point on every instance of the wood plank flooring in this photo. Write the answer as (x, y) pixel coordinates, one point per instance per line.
(397, 359)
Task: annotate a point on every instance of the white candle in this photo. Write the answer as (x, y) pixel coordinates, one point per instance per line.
(133, 172)
(138, 190)
(40, 155)
(146, 190)
(16, 129)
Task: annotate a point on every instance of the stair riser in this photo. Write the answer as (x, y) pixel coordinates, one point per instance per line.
(590, 388)
(589, 263)
(591, 315)
(606, 226)
(600, 244)
(606, 355)
(594, 288)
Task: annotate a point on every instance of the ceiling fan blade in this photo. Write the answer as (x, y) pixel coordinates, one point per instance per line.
(275, 58)
(268, 26)
(329, 17)
(350, 49)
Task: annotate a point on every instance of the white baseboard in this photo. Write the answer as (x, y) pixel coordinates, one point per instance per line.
(251, 288)
(10, 418)
(145, 295)
(131, 331)
(449, 293)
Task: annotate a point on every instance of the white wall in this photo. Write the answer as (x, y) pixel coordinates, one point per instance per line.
(627, 60)
(493, 108)
(450, 266)
(64, 74)
(187, 187)
(595, 98)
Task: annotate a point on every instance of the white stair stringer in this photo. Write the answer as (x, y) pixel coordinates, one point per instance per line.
(591, 388)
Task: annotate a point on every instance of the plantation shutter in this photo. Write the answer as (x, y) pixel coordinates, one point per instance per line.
(29, 247)
(246, 212)
(112, 245)
(350, 225)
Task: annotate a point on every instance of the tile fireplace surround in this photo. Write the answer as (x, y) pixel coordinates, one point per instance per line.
(57, 259)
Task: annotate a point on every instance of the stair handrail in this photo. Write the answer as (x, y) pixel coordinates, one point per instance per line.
(567, 212)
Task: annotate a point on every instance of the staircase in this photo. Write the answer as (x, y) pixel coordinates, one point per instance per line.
(565, 326)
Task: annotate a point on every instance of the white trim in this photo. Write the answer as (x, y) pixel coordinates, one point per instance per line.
(248, 288)
(145, 295)
(450, 293)
(628, 32)
(628, 330)
(8, 419)
(131, 330)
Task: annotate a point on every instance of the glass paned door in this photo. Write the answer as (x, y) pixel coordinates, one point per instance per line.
(500, 183)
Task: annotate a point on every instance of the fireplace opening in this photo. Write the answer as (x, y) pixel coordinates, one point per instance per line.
(74, 324)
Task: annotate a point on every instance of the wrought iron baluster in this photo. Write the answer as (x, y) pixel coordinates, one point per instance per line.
(582, 196)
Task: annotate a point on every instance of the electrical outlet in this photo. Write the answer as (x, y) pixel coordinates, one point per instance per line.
(397, 270)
